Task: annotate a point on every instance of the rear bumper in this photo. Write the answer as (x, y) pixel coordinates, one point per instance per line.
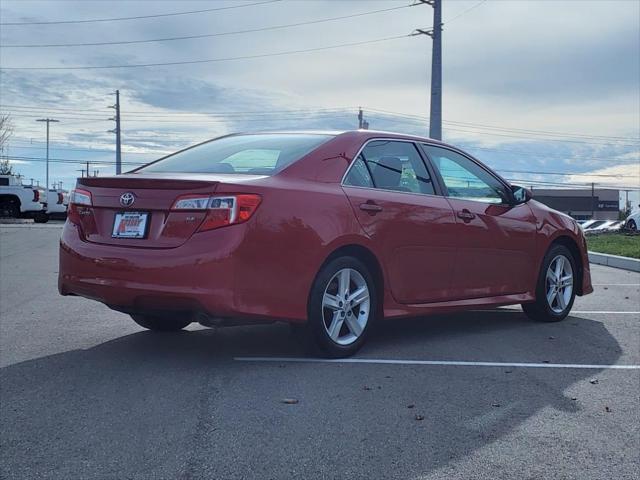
(31, 212)
(197, 277)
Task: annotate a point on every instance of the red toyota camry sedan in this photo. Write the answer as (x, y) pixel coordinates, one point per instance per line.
(329, 231)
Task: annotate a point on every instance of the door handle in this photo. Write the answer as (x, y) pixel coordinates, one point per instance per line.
(370, 207)
(466, 215)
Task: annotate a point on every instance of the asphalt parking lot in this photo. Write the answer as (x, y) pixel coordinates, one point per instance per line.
(86, 394)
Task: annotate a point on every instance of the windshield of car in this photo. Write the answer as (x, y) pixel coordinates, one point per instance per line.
(259, 154)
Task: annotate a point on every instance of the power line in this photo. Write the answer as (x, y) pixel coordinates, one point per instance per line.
(133, 119)
(563, 173)
(207, 35)
(139, 17)
(332, 114)
(148, 116)
(40, 108)
(213, 60)
(412, 119)
(93, 150)
(76, 116)
(464, 12)
(321, 111)
(538, 138)
(185, 116)
(497, 127)
(542, 132)
(547, 155)
(68, 160)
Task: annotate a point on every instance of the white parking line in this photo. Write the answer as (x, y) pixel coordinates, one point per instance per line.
(517, 310)
(616, 284)
(596, 311)
(379, 361)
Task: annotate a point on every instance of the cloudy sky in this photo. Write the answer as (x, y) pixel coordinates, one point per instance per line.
(529, 86)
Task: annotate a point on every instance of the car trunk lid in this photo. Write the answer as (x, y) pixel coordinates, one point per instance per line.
(150, 196)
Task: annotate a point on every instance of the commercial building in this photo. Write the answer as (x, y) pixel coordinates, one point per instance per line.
(582, 204)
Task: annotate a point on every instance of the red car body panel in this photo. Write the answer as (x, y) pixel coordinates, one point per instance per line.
(429, 259)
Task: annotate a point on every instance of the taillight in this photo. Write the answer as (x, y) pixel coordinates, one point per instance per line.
(60, 198)
(36, 196)
(80, 197)
(222, 210)
(79, 204)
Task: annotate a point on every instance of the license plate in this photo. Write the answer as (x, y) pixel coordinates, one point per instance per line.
(130, 225)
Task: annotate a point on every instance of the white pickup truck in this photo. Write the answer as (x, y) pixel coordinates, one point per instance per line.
(57, 203)
(20, 201)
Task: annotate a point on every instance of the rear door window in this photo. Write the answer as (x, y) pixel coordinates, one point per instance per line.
(391, 165)
(359, 175)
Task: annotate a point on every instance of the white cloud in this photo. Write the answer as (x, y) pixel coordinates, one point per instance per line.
(505, 63)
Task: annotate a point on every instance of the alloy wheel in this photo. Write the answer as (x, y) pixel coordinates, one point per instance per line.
(559, 283)
(346, 306)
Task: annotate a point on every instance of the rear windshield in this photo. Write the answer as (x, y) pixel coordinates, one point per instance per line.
(263, 154)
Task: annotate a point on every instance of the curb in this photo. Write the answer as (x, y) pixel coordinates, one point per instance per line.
(30, 226)
(615, 261)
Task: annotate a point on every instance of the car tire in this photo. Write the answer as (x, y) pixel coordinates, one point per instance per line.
(161, 324)
(631, 225)
(41, 218)
(555, 293)
(342, 307)
(9, 209)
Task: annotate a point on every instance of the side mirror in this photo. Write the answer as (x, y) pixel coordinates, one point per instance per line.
(520, 194)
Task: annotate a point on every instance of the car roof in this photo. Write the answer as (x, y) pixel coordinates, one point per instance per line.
(363, 134)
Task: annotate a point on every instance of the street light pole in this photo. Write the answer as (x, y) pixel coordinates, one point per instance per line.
(48, 121)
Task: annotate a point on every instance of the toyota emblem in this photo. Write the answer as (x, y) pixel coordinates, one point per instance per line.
(127, 199)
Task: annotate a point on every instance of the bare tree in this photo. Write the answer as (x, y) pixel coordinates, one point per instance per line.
(6, 130)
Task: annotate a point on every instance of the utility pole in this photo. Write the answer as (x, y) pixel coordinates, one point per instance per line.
(593, 200)
(362, 123)
(117, 132)
(435, 114)
(48, 121)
